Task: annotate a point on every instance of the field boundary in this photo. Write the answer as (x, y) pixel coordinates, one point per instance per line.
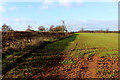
(19, 60)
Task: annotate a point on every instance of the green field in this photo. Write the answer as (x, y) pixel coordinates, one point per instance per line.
(103, 44)
(84, 55)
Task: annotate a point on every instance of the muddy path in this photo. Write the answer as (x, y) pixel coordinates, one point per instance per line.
(91, 65)
(84, 68)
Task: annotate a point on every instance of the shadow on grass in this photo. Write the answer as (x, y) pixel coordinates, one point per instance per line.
(7, 65)
(45, 57)
(52, 54)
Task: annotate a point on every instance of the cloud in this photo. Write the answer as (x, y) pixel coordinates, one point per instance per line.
(101, 0)
(57, 0)
(68, 3)
(45, 7)
(65, 2)
(93, 24)
(2, 9)
(5, 19)
(30, 6)
(48, 1)
(23, 20)
(12, 8)
(17, 20)
(76, 25)
(17, 23)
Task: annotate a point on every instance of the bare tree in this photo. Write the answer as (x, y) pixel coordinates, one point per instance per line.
(6, 28)
(59, 28)
(51, 28)
(46, 29)
(64, 27)
(107, 29)
(41, 28)
(82, 29)
(28, 29)
(101, 30)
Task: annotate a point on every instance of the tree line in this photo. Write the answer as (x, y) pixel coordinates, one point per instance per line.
(52, 28)
(60, 28)
(82, 30)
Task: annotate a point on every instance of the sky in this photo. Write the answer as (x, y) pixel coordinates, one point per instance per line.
(77, 15)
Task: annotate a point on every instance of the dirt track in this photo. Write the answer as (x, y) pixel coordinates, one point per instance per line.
(84, 68)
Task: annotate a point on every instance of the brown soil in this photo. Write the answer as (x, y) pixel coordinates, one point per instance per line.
(92, 65)
(107, 68)
(84, 68)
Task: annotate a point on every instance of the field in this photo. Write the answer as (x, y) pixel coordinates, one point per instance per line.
(17, 45)
(84, 55)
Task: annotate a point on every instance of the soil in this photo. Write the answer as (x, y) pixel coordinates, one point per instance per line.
(84, 68)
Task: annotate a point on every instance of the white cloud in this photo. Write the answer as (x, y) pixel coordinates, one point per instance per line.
(2, 9)
(45, 7)
(48, 1)
(30, 6)
(101, 0)
(65, 2)
(5, 20)
(68, 3)
(12, 8)
(94, 24)
(60, 2)
(17, 20)
(23, 20)
(76, 25)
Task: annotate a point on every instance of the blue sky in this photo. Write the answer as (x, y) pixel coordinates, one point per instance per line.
(89, 15)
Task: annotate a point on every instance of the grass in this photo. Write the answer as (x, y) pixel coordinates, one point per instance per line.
(107, 73)
(78, 46)
(44, 57)
(25, 44)
(110, 54)
(68, 62)
(101, 44)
